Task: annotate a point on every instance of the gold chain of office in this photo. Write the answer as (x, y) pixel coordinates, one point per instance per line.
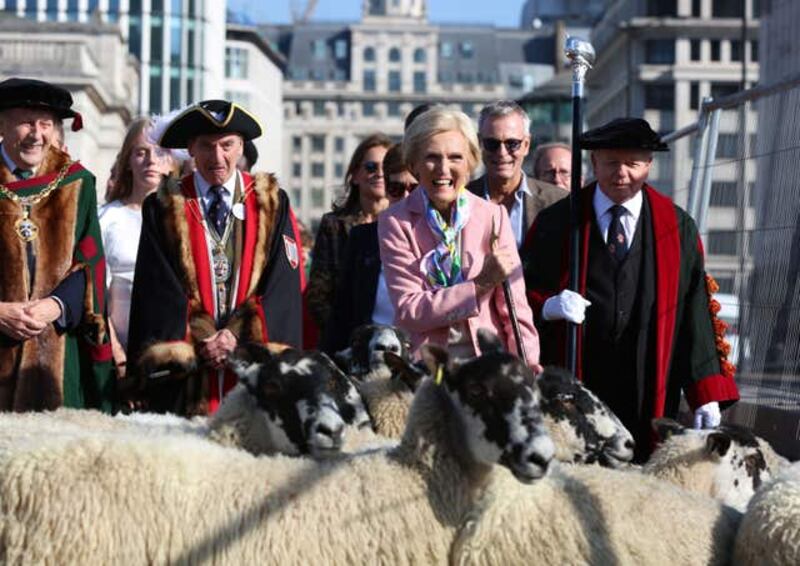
(25, 228)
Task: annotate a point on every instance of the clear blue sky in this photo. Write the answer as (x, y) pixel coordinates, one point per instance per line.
(503, 13)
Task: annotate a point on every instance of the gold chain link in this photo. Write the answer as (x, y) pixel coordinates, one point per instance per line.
(38, 197)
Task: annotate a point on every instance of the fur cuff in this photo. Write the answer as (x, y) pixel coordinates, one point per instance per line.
(174, 360)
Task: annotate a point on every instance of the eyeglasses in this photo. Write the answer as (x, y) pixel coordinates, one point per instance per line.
(372, 166)
(548, 174)
(493, 144)
(399, 189)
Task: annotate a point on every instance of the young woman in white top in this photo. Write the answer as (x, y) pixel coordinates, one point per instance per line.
(139, 169)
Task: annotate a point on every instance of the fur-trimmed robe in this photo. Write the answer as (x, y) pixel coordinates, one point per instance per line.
(172, 306)
(72, 368)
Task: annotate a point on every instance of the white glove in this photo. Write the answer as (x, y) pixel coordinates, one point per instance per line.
(707, 416)
(567, 305)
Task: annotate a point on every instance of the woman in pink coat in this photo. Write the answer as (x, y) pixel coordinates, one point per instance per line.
(446, 252)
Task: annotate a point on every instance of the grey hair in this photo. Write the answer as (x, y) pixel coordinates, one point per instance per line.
(500, 108)
(539, 152)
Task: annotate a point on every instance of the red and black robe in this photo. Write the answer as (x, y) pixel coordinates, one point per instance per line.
(172, 305)
(672, 336)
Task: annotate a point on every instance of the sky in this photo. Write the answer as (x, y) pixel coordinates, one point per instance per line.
(501, 13)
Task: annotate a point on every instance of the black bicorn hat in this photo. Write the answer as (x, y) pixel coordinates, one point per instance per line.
(623, 133)
(209, 117)
(31, 93)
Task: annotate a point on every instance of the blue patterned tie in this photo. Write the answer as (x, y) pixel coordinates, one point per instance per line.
(217, 209)
(617, 242)
(22, 174)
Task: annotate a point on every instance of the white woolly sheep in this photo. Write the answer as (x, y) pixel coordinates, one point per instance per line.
(187, 500)
(770, 531)
(727, 463)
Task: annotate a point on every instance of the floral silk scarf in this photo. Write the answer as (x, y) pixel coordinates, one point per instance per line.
(442, 266)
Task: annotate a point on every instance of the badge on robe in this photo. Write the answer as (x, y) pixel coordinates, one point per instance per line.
(292, 253)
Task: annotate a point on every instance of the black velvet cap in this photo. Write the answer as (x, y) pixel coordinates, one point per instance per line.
(30, 93)
(623, 133)
(209, 117)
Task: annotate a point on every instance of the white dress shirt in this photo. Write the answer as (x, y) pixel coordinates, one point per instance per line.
(203, 190)
(630, 216)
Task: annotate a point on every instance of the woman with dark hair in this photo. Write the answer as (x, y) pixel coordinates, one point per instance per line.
(364, 198)
(361, 293)
(138, 171)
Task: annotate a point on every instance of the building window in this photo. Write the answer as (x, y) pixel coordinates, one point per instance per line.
(393, 109)
(394, 55)
(723, 194)
(659, 96)
(445, 76)
(420, 82)
(297, 143)
(465, 77)
(419, 55)
(319, 108)
(338, 144)
(466, 108)
(297, 199)
(318, 143)
(317, 198)
(155, 89)
(156, 39)
(694, 50)
(236, 61)
(446, 49)
(318, 169)
(297, 169)
(722, 242)
(369, 80)
(340, 49)
(338, 170)
(467, 49)
(728, 146)
(696, 8)
(369, 54)
(715, 50)
(662, 8)
(718, 90)
(368, 109)
(694, 95)
(659, 51)
(726, 9)
(736, 50)
(318, 49)
(754, 51)
(394, 81)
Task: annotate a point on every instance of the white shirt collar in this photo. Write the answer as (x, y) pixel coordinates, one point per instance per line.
(602, 204)
(202, 186)
(518, 194)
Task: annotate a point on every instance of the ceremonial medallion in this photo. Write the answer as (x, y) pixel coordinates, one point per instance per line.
(26, 229)
(221, 266)
(238, 211)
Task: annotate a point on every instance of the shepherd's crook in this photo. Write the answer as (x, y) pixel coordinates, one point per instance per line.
(512, 310)
(581, 56)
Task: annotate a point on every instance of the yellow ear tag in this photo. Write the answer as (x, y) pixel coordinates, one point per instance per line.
(439, 375)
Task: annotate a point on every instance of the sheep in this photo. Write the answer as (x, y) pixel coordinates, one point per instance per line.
(364, 358)
(188, 500)
(595, 515)
(770, 530)
(727, 463)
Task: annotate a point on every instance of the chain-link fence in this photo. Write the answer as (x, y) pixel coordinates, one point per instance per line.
(743, 189)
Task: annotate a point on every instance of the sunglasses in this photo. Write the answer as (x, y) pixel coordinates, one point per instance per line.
(397, 189)
(493, 144)
(372, 166)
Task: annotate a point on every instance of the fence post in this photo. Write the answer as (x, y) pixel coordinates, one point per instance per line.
(705, 187)
(692, 202)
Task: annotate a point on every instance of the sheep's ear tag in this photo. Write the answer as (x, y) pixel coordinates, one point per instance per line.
(439, 374)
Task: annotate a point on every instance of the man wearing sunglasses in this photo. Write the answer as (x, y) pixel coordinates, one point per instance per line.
(504, 130)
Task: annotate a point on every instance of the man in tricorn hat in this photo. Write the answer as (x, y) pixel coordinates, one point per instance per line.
(647, 332)
(219, 264)
(54, 350)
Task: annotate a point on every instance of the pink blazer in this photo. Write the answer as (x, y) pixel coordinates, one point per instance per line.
(427, 313)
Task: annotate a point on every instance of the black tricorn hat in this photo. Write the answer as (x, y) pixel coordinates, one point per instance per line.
(209, 117)
(623, 133)
(30, 93)
(250, 153)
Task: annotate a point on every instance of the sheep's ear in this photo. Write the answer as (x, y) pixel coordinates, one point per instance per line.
(344, 358)
(488, 342)
(435, 357)
(665, 428)
(718, 443)
(407, 372)
(246, 372)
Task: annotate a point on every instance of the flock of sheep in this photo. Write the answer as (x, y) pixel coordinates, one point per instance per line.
(467, 462)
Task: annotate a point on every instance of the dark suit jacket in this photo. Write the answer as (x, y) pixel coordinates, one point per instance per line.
(542, 195)
(356, 287)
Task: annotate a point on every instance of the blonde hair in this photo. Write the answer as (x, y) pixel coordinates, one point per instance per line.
(438, 121)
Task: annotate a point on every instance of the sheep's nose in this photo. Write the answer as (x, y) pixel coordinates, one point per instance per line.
(394, 348)
(334, 432)
(629, 444)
